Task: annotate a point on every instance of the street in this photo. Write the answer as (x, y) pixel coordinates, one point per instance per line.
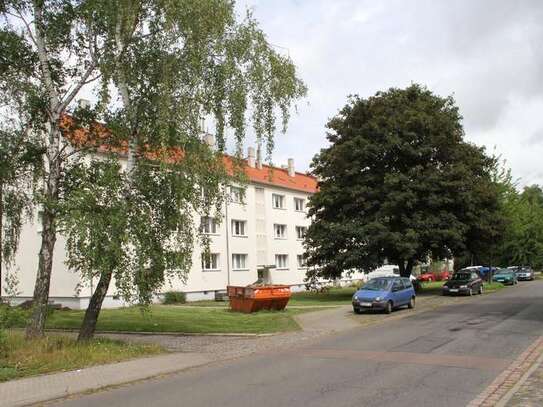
(444, 357)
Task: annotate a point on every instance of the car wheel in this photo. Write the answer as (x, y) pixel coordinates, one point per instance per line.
(480, 289)
(357, 310)
(388, 308)
(411, 304)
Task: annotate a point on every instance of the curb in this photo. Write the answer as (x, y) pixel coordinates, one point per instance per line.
(165, 333)
(505, 385)
(169, 333)
(519, 384)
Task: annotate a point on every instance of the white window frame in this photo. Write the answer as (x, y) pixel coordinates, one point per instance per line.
(280, 200)
(298, 229)
(209, 223)
(240, 261)
(302, 203)
(212, 263)
(276, 228)
(279, 264)
(301, 264)
(243, 228)
(236, 195)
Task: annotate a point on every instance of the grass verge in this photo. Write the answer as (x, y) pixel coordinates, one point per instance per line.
(164, 318)
(56, 353)
(334, 296)
(434, 288)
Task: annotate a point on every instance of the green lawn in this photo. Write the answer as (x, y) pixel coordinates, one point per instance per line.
(172, 318)
(20, 358)
(334, 296)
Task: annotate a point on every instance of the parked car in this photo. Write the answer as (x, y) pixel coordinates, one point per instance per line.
(385, 294)
(483, 271)
(463, 282)
(523, 273)
(437, 276)
(505, 276)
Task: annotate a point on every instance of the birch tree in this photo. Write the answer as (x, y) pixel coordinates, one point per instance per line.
(159, 67)
(53, 48)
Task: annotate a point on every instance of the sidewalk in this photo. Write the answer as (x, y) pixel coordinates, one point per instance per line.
(520, 385)
(48, 387)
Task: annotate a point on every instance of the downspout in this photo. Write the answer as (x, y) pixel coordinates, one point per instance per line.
(227, 240)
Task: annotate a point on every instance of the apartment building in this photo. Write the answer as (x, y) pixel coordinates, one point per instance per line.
(259, 236)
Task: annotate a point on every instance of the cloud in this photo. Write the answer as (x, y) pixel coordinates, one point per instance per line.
(487, 53)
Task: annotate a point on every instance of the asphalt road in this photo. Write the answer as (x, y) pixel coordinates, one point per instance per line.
(444, 357)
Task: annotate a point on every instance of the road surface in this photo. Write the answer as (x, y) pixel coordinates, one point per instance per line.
(438, 358)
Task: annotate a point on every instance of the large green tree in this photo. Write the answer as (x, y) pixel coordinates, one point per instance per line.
(158, 67)
(522, 240)
(399, 184)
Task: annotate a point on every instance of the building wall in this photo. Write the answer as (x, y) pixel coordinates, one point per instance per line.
(199, 284)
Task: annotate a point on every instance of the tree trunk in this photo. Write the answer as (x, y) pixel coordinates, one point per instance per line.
(93, 310)
(406, 269)
(36, 324)
(1, 235)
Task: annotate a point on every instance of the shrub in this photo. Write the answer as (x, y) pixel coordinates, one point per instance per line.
(174, 297)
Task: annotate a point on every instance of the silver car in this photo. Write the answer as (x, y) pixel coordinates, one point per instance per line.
(523, 273)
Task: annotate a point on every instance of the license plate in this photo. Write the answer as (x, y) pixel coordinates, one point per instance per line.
(453, 290)
(365, 304)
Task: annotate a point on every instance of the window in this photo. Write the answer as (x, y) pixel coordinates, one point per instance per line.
(281, 261)
(208, 225)
(239, 261)
(210, 262)
(397, 285)
(236, 194)
(301, 261)
(299, 204)
(278, 201)
(280, 231)
(300, 232)
(238, 228)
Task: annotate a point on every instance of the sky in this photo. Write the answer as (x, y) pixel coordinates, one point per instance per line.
(488, 54)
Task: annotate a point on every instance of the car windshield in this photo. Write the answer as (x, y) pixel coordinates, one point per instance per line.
(504, 272)
(461, 276)
(377, 284)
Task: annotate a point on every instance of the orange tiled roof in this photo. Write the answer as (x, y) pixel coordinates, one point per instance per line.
(279, 177)
(267, 175)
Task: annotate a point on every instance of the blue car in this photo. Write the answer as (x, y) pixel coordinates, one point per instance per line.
(384, 294)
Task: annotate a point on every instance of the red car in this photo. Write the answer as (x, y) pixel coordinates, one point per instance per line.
(439, 276)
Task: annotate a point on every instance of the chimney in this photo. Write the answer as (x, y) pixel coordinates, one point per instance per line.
(84, 103)
(291, 172)
(251, 157)
(258, 158)
(209, 140)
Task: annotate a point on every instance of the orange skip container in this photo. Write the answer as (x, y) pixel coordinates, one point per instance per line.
(255, 298)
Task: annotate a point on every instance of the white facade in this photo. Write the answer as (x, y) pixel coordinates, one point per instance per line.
(267, 227)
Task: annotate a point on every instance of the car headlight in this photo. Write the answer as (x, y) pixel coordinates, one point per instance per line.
(378, 299)
(463, 286)
(355, 297)
(445, 287)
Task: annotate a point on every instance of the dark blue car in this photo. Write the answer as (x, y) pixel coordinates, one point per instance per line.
(385, 294)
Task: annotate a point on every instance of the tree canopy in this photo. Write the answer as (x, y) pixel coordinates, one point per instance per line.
(398, 183)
